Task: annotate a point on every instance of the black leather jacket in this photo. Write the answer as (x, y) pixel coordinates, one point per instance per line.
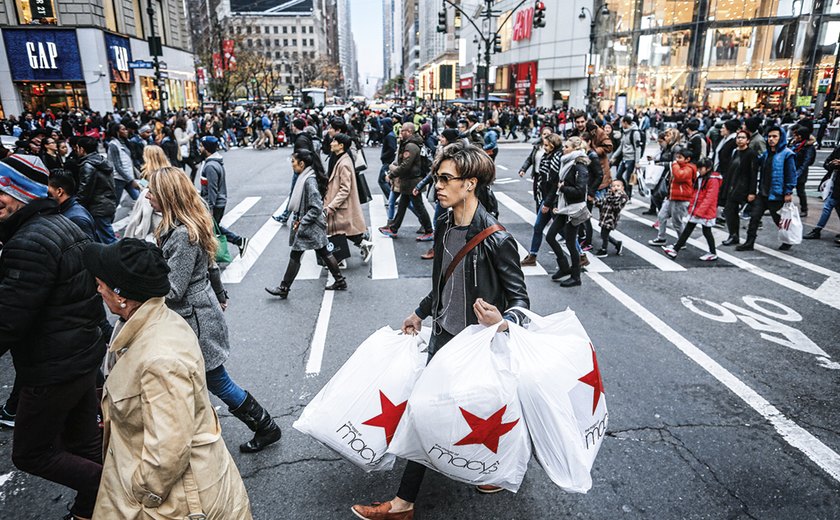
(491, 270)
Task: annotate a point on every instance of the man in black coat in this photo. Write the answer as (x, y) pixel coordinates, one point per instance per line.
(51, 314)
(96, 188)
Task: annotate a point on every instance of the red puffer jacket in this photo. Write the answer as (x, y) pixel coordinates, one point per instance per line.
(682, 181)
(705, 200)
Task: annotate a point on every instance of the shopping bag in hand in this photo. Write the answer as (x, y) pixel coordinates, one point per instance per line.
(562, 399)
(463, 418)
(357, 412)
(790, 226)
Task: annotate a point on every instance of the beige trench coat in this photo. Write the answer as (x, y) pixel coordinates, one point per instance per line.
(343, 197)
(159, 424)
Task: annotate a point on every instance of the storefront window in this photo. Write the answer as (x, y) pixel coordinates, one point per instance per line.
(191, 92)
(150, 99)
(121, 95)
(57, 96)
(662, 13)
(40, 12)
(176, 94)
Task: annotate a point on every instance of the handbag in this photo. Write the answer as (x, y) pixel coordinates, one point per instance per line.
(338, 246)
(359, 160)
(222, 251)
(362, 187)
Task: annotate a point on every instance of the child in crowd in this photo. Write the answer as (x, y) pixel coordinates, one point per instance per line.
(683, 173)
(611, 206)
(703, 211)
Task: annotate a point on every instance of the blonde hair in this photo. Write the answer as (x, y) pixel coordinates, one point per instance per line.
(181, 204)
(154, 158)
(576, 143)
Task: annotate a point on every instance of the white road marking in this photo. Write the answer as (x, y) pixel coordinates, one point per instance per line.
(236, 271)
(319, 337)
(595, 263)
(655, 258)
(309, 268)
(506, 181)
(826, 296)
(240, 209)
(384, 261)
(795, 435)
(502, 167)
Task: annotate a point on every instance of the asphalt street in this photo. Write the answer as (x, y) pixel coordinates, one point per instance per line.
(721, 378)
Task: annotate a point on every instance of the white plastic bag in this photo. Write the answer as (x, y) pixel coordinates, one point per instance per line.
(562, 397)
(790, 226)
(826, 186)
(653, 172)
(357, 412)
(464, 418)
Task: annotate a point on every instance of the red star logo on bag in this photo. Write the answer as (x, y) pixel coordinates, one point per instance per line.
(486, 431)
(593, 379)
(389, 418)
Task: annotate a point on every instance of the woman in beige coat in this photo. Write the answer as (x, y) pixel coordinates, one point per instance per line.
(341, 203)
(164, 454)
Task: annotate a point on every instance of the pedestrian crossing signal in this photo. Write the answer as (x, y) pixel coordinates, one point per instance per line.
(539, 15)
(441, 27)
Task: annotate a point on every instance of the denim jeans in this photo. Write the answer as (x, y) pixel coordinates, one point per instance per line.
(829, 205)
(625, 171)
(222, 386)
(120, 185)
(539, 225)
(383, 182)
(232, 237)
(393, 198)
(104, 229)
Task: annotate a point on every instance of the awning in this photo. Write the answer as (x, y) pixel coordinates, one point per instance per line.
(719, 85)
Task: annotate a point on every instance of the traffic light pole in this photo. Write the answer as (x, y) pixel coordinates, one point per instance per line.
(488, 41)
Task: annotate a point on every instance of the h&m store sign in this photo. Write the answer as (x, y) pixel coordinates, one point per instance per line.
(53, 55)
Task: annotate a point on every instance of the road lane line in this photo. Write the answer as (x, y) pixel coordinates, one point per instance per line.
(384, 261)
(824, 296)
(236, 270)
(319, 337)
(795, 435)
(655, 258)
(240, 209)
(503, 167)
(595, 263)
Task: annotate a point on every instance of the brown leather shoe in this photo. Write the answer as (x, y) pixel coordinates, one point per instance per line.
(529, 260)
(583, 260)
(428, 255)
(380, 511)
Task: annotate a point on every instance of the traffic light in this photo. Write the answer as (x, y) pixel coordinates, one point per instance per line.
(441, 26)
(497, 44)
(539, 14)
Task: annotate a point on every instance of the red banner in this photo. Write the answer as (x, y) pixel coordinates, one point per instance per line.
(230, 55)
(218, 72)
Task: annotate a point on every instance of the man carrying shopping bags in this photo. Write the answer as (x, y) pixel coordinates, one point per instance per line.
(476, 273)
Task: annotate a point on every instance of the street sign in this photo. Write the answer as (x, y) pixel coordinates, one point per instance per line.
(164, 74)
(162, 65)
(140, 64)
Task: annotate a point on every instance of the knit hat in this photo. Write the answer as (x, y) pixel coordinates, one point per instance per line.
(210, 143)
(24, 177)
(134, 269)
(144, 128)
(450, 134)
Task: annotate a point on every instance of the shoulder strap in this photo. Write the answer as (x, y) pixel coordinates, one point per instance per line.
(469, 247)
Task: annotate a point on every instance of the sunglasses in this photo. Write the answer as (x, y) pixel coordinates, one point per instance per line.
(445, 179)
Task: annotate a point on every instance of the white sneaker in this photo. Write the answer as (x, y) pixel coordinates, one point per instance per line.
(670, 251)
(708, 257)
(366, 248)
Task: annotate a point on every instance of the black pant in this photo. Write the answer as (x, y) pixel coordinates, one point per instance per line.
(686, 234)
(732, 214)
(587, 226)
(406, 198)
(383, 182)
(561, 224)
(414, 472)
(606, 238)
(759, 206)
(294, 264)
(57, 437)
(800, 192)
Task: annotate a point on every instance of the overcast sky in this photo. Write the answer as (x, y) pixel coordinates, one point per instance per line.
(366, 17)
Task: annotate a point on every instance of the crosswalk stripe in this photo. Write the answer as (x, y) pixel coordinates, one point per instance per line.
(529, 270)
(659, 261)
(319, 337)
(240, 209)
(595, 263)
(821, 296)
(236, 271)
(384, 261)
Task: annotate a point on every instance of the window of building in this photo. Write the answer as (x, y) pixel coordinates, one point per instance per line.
(294, 42)
(303, 41)
(285, 30)
(276, 42)
(162, 22)
(285, 42)
(111, 16)
(250, 43)
(294, 29)
(139, 19)
(277, 55)
(275, 29)
(248, 30)
(268, 42)
(311, 42)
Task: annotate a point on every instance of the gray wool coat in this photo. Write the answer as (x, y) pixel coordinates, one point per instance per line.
(193, 298)
(312, 232)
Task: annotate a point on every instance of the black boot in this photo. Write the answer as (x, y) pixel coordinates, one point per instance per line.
(340, 283)
(749, 245)
(733, 240)
(282, 291)
(258, 421)
(814, 234)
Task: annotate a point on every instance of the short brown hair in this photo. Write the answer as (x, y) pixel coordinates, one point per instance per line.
(470, 161)
(554, 140)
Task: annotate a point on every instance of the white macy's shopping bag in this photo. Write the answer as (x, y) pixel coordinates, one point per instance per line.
(562, 396)
(357, 412)
(463, 418)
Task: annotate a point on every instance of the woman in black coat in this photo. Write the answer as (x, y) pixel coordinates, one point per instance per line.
(723, 155)
(741, 174)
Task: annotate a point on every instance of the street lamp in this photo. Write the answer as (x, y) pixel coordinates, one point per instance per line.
(603, 11)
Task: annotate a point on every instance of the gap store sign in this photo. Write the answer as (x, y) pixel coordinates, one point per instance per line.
(43, 54)
(119, 56)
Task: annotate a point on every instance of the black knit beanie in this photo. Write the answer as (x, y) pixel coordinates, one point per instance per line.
(132, 268)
